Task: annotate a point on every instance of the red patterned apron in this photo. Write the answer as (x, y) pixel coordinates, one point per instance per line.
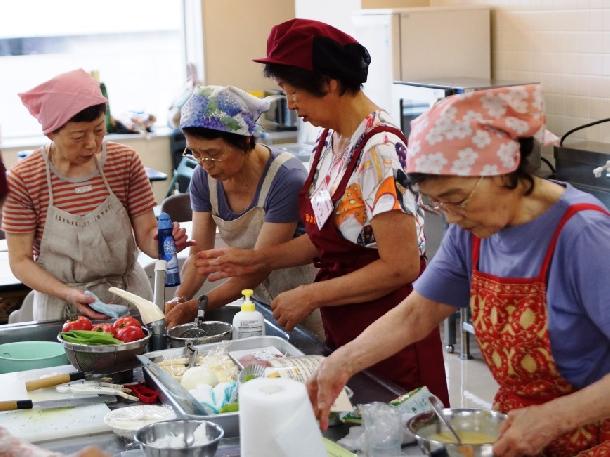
(510, 320)
(415, 366)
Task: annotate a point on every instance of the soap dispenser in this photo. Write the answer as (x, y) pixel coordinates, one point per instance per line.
(249, 321)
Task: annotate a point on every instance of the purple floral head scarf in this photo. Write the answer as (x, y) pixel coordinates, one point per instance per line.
(228, 109)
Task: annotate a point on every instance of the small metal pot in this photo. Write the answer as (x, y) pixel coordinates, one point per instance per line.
(211, 332)
(426, 427)
(147, 436)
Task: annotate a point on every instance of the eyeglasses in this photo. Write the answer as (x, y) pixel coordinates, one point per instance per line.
(456, 207)
(201, 158)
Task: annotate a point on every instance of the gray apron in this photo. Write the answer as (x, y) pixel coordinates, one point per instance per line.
(243, 233)
(90, 252)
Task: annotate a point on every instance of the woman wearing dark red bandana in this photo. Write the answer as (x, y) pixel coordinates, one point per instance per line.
(364, 228)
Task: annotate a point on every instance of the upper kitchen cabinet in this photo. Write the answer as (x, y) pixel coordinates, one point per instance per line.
(234, 33)
(419, 43)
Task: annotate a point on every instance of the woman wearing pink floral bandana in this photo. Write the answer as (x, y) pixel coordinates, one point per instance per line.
(527, 256)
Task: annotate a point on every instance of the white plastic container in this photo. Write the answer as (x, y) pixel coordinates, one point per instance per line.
(248, 322)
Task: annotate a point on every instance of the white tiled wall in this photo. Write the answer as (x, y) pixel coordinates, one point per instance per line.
(565, 45)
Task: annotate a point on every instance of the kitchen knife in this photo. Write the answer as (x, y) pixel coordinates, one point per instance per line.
(62, 378)
(54, 380)
(64, 403)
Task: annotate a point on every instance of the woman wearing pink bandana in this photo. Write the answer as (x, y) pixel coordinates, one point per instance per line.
(79, 208)
(528, 256)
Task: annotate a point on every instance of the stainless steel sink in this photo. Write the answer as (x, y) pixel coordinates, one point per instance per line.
(30, 331)
(47, 331)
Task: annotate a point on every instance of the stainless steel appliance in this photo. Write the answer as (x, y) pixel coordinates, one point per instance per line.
(412, 98)
(279, 114)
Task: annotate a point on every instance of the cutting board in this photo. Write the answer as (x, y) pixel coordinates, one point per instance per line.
(43, 425)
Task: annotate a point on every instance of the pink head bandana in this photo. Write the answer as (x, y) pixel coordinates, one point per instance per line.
(54, 102)
(476, 134)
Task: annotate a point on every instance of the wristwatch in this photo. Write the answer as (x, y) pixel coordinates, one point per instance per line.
(178, 299)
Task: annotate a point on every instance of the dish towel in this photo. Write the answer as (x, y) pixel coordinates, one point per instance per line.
(108, 309)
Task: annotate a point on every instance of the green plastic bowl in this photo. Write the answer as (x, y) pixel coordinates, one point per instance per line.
(28, 355)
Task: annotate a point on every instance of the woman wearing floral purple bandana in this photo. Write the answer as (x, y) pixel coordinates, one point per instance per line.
(242, 188)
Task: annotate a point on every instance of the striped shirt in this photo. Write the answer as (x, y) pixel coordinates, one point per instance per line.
(25, 208)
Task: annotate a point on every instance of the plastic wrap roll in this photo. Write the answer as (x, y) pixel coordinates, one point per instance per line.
(276, 420)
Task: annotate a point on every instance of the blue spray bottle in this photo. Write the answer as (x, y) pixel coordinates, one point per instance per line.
(167, 250)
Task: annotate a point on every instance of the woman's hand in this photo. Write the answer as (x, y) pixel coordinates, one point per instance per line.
(180, 239)
(179, 312)
(528, 431)
(228, 262)
(326, 385)
(80, 301)
(291, 307)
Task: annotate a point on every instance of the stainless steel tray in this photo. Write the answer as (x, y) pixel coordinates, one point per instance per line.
(185, 405)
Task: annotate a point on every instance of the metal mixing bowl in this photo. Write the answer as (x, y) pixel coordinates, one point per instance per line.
(485, 422)
(209, 332)
(147, 435)
(105, 359)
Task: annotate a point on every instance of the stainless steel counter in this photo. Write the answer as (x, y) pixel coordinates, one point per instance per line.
(366, 387)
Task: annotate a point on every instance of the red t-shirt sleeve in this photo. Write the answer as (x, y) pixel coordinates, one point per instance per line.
(18, 213)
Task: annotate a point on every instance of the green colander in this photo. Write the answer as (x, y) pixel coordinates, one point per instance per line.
(27, 355)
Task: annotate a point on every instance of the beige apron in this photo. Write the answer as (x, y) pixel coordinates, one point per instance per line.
(243, 233)
(90, 252)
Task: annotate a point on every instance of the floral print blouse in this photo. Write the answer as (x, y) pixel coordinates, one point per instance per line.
(377, 185)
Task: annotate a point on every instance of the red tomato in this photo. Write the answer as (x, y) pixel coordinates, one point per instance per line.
(127, 321)
(103, 328)
(130, 333)
(81, 323)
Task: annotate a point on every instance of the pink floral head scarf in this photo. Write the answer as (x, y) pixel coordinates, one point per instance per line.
(476, 134)
(53, 103)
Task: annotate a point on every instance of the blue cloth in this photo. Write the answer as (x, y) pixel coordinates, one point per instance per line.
(214, 398)
(281, 205)
(109, 309)
(578, 288)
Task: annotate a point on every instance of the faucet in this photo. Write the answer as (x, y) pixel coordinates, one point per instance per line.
(597, 172)
(202, 306)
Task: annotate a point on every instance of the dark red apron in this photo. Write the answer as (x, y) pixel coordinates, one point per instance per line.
(418, 364)
(510, 319)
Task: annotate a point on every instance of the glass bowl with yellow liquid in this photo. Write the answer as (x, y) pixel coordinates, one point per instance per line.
(478, 430)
